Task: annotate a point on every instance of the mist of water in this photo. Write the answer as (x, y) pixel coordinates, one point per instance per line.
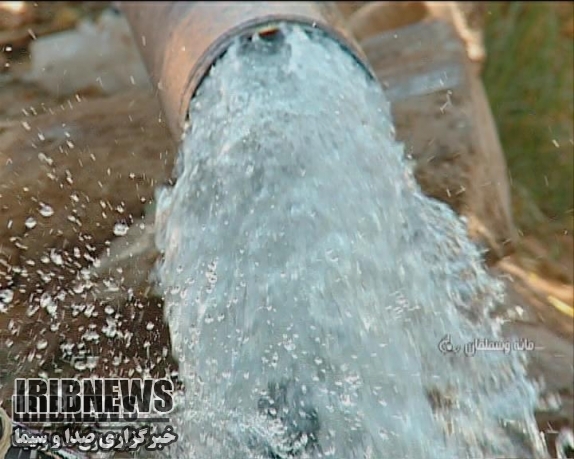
(308, 281)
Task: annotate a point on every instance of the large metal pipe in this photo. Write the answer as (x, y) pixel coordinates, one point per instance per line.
(180, 41)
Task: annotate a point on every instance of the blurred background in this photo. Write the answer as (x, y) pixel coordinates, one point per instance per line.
(529, 80)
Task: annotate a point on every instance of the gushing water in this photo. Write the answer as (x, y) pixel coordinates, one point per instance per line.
(308, 281)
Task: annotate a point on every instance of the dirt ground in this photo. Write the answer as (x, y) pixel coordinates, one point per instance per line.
(538, 277)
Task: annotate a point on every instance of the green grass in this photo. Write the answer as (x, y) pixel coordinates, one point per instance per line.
(529, 81)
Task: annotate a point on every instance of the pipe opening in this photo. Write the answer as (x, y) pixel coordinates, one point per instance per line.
(184, 39)
(270, 33)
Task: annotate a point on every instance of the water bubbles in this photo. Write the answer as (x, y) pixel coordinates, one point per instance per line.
(121, 229)
(46, 210)
(30, 222)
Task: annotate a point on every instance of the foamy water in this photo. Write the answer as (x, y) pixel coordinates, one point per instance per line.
(308, 281)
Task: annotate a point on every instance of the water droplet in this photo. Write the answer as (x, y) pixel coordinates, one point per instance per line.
(42, 344)
(120, 229)
(48, 304)
(80, 365)
(32, 309)
(150, 326)
(56, 258)
(91, 363)
(46, 210)
(30, 223)
(45, 159)
(90, 335)
(6, 296)
(111, 285)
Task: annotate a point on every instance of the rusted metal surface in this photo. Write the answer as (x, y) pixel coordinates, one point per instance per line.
(179, 41)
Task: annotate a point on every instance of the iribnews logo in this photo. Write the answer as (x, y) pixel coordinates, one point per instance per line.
(93, 400)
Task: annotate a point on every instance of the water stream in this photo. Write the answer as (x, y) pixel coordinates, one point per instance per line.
(308, 281)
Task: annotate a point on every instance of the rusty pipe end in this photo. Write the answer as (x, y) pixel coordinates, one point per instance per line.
(180, 41)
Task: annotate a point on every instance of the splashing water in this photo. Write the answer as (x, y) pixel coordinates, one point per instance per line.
(308, 281)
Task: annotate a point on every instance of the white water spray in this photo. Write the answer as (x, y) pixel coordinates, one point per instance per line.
(308, 281)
